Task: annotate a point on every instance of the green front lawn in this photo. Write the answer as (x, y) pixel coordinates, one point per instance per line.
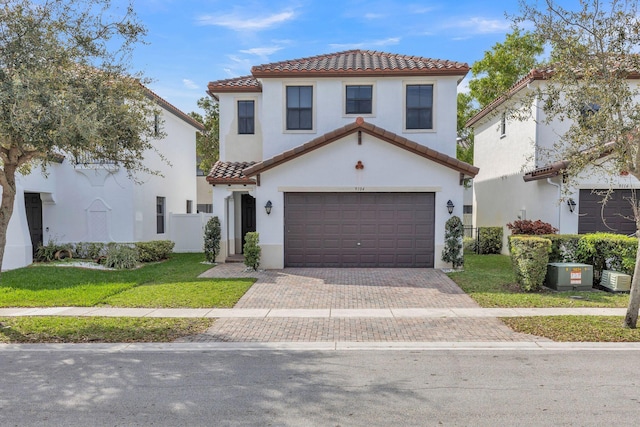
(489, 280)
(97, 329)
(172, 283)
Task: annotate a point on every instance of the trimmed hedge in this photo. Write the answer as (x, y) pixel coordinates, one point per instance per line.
(489, 240)
(564, 247)
(155, 250)
(529, 257)
(607, 251)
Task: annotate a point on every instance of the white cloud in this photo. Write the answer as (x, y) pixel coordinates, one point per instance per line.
(366, 44)
(262, 51)
(373, 15)
(238, 22)
(190, 84)
(479, 25)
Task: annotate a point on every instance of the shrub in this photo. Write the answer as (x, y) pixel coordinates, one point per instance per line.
(252, 250)
(453, 233)
(155, 250)
(47, 253)
(529, 257)
(89, 250)
(212, 239)
(469, 244)
(563, 247)
(531, 228)
(121, 256)
(490, 240)
(607, 251)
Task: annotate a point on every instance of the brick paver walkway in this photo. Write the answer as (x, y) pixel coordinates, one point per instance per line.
(352, 288)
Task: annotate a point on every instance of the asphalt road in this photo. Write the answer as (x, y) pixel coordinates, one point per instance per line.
(320, 388)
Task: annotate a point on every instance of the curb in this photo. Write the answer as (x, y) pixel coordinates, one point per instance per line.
(320, 346)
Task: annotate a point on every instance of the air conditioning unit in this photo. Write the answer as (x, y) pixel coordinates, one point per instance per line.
(615, 281)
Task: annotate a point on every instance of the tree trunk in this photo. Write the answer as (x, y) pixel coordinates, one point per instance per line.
(8, 183)
(631, 319)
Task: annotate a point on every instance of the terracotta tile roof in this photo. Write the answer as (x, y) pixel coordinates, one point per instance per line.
(360, 63)
(229, 173)
(238, 84)
(361, 125)
(174, 110)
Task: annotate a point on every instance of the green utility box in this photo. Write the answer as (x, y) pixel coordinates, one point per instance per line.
(569, 276)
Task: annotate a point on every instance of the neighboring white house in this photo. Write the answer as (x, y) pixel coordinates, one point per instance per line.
(84, 201)
(518, 180)
(345, 160)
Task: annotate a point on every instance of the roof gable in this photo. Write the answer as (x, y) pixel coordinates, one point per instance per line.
(380, 133)
(174, 110)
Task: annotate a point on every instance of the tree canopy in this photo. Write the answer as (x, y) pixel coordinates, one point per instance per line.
(504, 65)
(207, 142)
(65, 89)
(592, 86)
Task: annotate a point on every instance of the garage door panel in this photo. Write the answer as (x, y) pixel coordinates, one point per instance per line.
(393, 229)
(617, 212)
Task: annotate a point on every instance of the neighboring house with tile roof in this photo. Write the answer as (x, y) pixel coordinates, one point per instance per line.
(88, 200)
(340, 160)
(518, 179)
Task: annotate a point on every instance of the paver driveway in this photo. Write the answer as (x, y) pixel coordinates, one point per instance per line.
(352, 288)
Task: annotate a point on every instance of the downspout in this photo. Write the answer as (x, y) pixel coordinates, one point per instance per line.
(558, 186)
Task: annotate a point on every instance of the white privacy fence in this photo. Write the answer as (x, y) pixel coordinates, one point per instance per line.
(187, 231)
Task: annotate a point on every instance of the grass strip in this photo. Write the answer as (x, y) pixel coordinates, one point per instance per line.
(575, 328)
(51, 329)
(203, 294)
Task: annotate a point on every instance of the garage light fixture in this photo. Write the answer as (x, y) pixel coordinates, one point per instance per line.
(572, 205)
(450, 207)
(268, 207)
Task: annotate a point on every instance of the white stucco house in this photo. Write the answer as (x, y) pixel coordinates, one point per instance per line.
(82, 200)
(340, 160)
(518, 179)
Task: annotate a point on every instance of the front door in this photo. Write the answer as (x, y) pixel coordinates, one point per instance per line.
(33, 206)
(248, 216)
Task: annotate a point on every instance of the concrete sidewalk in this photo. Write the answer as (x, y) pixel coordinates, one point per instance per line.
(328, 313)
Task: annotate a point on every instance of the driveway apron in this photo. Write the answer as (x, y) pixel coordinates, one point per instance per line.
(335, 289)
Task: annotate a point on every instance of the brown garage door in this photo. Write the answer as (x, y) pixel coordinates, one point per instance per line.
(617, 212)
(359, 229)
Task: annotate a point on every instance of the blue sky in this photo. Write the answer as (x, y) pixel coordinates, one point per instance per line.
(192, 42)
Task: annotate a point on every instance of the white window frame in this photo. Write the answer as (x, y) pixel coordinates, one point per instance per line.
(373, 98)
(314, 106)
(236, 117)
(434, 109)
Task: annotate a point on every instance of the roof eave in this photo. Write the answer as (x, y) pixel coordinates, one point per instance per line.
(462, 71)
(361, 125)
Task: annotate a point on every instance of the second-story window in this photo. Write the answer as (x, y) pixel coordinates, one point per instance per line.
(359, 99)
(299, 107)
(246, 117)
(419, 103)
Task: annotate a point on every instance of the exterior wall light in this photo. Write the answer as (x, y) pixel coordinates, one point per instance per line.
(268, 207)
(572, 205)
(450, 207)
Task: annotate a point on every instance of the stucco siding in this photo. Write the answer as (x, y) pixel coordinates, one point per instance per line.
(332, 169)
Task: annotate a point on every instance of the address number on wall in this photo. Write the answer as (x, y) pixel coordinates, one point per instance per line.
(359, 188)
